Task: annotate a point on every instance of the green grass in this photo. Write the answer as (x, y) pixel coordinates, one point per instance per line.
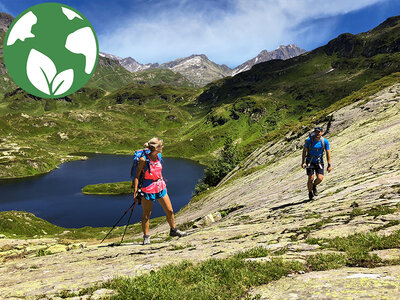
(43, 252)
(24, 225)
(253, 253)
(357, 247)
(115, 188)
(212, 279)
(360, 241)
(373, 211)
(180, 247)
(322, 262)
(161, 76)
(312, 227)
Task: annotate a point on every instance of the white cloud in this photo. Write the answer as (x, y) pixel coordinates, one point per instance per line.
(231, 36)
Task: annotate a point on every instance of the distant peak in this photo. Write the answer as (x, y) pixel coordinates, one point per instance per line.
(282, 52)
(198, 55)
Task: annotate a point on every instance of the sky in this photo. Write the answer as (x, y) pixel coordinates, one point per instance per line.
(227, 31)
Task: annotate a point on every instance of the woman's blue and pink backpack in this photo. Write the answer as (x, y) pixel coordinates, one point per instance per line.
(136, 157)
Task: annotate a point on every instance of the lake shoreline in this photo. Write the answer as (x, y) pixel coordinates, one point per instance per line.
(62, 196)
(84, 156)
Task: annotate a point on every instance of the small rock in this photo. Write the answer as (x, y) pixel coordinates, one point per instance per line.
(102, 293)
(76, 246)
(302, 247)
(387, 254)
(276, 247)
(217, 216)
(391, 217)
(2, 236)
(208, 219)
(258, 259)
(57, 248)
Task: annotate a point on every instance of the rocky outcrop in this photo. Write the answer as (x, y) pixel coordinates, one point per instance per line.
(283, 52)
(5, 21)
(129, 63)
(268, 207)
(133, 66)
(346, 283)
(198, 69)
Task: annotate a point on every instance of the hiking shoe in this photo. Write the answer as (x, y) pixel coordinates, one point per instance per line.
(176, 232)
(314, 190)
(310, 195)
(146, 240)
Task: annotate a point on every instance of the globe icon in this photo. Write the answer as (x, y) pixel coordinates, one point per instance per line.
(51, 50)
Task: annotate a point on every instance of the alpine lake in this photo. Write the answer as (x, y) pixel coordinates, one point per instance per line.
(57, 197)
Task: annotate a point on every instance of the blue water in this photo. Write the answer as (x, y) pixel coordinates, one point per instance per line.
(57, 197)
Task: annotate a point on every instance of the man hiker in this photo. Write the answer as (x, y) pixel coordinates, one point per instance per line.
(312, 160)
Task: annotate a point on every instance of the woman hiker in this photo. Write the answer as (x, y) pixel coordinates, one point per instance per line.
(312, 160)
(153, 187)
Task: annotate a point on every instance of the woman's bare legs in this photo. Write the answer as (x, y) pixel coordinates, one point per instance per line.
(147, 206)
(167, 207)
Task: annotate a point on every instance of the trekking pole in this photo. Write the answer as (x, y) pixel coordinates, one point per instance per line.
(127, 224)
(118, 222)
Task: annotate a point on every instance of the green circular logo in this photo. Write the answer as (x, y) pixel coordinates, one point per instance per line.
(51, 50)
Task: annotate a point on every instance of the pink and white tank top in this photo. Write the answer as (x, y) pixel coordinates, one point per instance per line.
(153, 181)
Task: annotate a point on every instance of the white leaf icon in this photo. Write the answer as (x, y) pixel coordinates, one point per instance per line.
(62, 82)
(40, 70)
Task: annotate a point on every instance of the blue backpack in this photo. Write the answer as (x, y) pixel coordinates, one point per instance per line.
(136, 157)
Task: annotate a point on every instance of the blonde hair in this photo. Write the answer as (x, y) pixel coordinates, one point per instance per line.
(154, 143)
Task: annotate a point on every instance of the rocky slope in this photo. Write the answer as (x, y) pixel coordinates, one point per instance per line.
(198, 69)
(283, 52)
(265, 208)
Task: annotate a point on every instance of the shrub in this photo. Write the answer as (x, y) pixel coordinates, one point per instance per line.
(215, 172)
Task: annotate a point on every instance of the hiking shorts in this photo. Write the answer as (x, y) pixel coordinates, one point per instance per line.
(318, 168)
(154, 196)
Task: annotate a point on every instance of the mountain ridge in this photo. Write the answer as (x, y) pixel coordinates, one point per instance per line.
(283, 52)
(200, 70)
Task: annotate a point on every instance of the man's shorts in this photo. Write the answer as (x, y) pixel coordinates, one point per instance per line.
(318, 168)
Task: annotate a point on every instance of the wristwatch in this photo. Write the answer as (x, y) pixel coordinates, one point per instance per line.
(329, 165)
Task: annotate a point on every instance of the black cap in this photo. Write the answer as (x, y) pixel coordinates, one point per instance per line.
(318, 129)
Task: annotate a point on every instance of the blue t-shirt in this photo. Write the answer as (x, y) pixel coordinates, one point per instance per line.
(316, 150)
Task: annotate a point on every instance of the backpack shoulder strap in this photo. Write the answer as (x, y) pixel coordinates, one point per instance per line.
(147, 158)
(323, 143)
(160, 158)
(310, 144)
